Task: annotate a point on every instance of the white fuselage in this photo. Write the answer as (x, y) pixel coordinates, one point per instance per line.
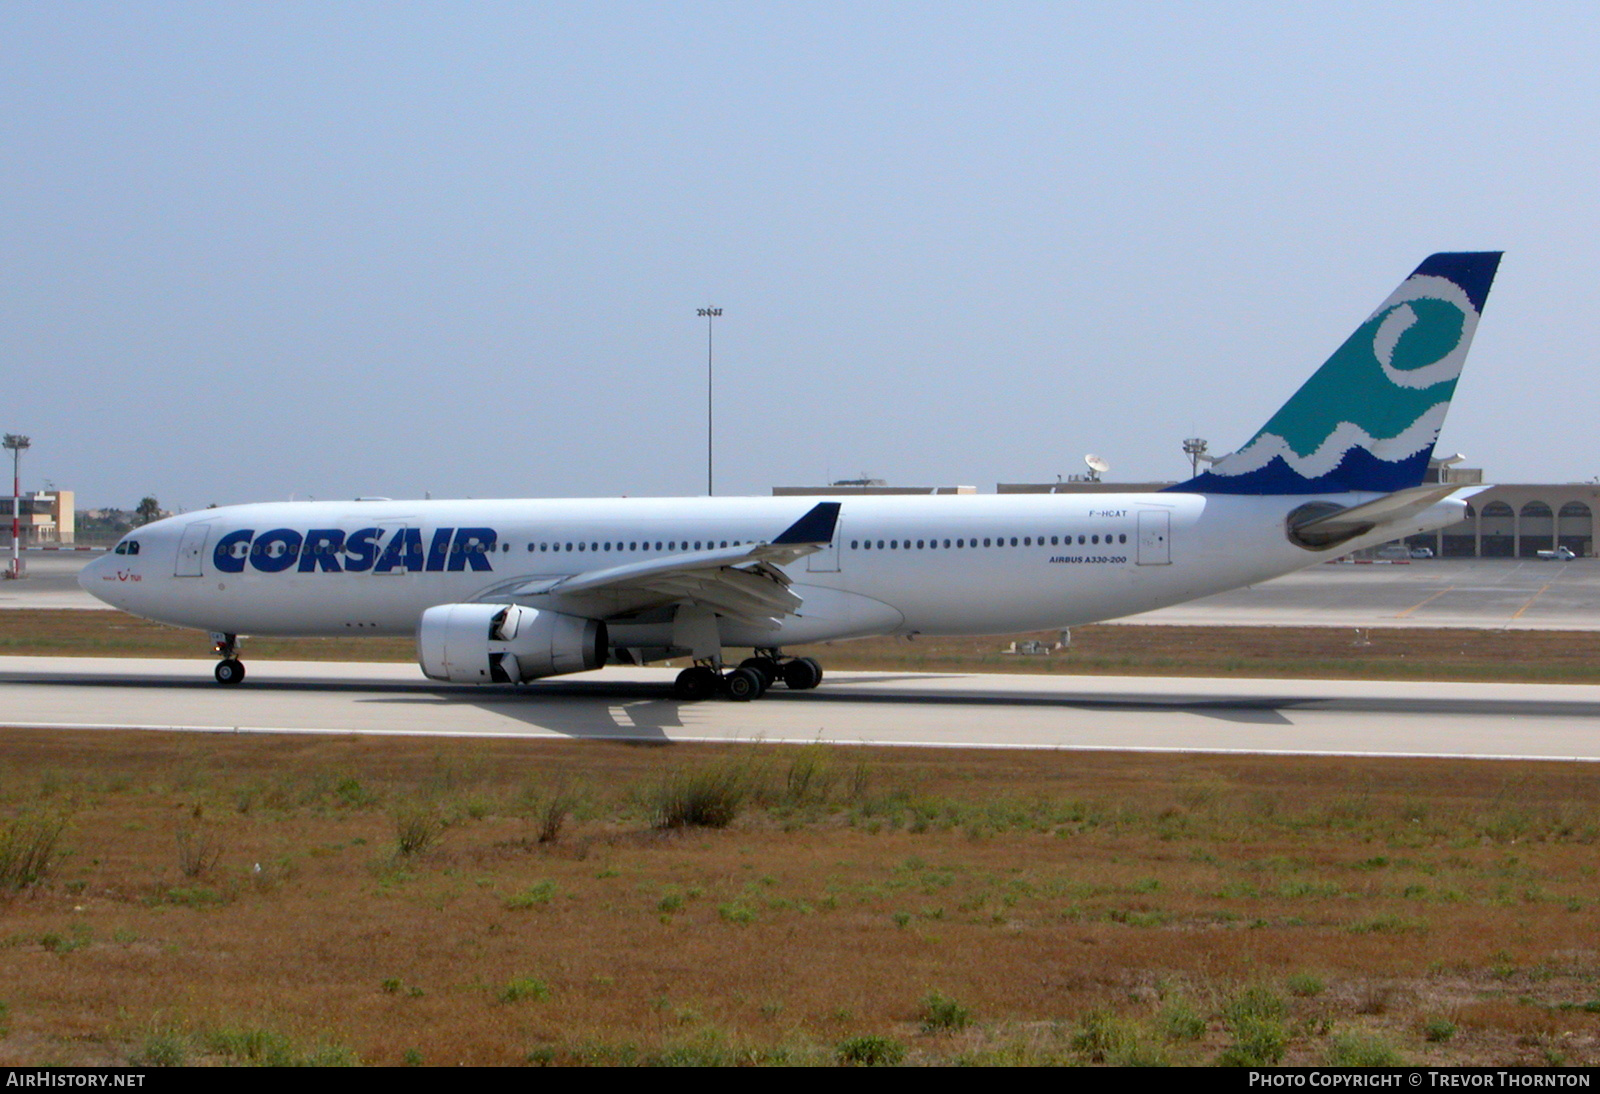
(986, 564)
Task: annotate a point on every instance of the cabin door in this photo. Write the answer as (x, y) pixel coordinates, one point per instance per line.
(192, 550)
(1155, 538)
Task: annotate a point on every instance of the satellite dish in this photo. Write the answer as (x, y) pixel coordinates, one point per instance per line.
(1097, 466)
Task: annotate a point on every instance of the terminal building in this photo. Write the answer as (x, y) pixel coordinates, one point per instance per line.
(47, 519)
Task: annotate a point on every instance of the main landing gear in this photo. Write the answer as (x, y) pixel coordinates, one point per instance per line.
(230, 670)
(750, 680)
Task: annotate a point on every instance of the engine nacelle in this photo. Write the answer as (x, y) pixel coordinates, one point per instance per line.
(506, 643)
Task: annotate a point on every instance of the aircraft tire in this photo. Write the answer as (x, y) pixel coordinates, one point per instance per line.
(230, 671)
(802, 674)
(743, 685)
(765, 667)
(695, 683)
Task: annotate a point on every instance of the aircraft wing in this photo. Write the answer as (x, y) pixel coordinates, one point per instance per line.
(742, 582)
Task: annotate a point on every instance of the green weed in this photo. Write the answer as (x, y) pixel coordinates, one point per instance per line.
(417, 827)
(198, 852)
(870, 1050)
(27, 847)
(1305, 984)
(553, 810)
(1257, 1018)
(707, 796)
(269, 1048)
(524, 988)
(1362, 1050)
(1438, 1030)
(941, 1014)
(536, 895)
(1181, 1022)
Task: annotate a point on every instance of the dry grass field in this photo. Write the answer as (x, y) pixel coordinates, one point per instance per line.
(234, 899)
(226, 899)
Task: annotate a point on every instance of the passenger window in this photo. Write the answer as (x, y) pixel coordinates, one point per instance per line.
(1013, 541)
(1027, 541)
(1094, 539)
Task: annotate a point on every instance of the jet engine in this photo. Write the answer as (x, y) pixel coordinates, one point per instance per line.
(506, 643)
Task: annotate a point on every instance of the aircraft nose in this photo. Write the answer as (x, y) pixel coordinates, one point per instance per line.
(91, 579)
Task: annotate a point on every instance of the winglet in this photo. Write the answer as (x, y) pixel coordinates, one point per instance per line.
(815, 527)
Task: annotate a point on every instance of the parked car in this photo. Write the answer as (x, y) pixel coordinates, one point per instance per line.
(1422, 552)
(1560, 554)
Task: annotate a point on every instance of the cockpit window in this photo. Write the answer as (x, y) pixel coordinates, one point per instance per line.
(127, 547)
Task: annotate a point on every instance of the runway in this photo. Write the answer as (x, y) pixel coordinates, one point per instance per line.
(1501, 721)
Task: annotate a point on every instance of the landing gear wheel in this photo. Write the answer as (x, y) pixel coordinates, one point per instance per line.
(743, 685)
(802, 674)
(230, 671)
(695, 683)
(765, 667)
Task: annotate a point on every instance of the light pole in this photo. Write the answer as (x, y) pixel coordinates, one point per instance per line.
(16, 442)
(709, 315)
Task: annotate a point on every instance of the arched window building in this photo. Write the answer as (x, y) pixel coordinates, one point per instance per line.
(1519, 521)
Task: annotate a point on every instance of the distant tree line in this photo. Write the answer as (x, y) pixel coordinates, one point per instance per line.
(94, 525)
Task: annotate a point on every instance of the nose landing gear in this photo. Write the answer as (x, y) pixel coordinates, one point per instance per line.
(230, 670)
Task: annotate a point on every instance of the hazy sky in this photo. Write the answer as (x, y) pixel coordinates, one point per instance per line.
(249, 251)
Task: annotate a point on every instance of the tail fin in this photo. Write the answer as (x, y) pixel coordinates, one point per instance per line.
(1369, 417)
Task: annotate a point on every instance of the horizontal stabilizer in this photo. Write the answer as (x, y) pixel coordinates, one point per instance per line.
(1341, 525)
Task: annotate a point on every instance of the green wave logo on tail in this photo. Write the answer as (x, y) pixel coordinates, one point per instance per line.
(1369, 417)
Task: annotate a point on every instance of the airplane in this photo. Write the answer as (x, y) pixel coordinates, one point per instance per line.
(510, 591)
